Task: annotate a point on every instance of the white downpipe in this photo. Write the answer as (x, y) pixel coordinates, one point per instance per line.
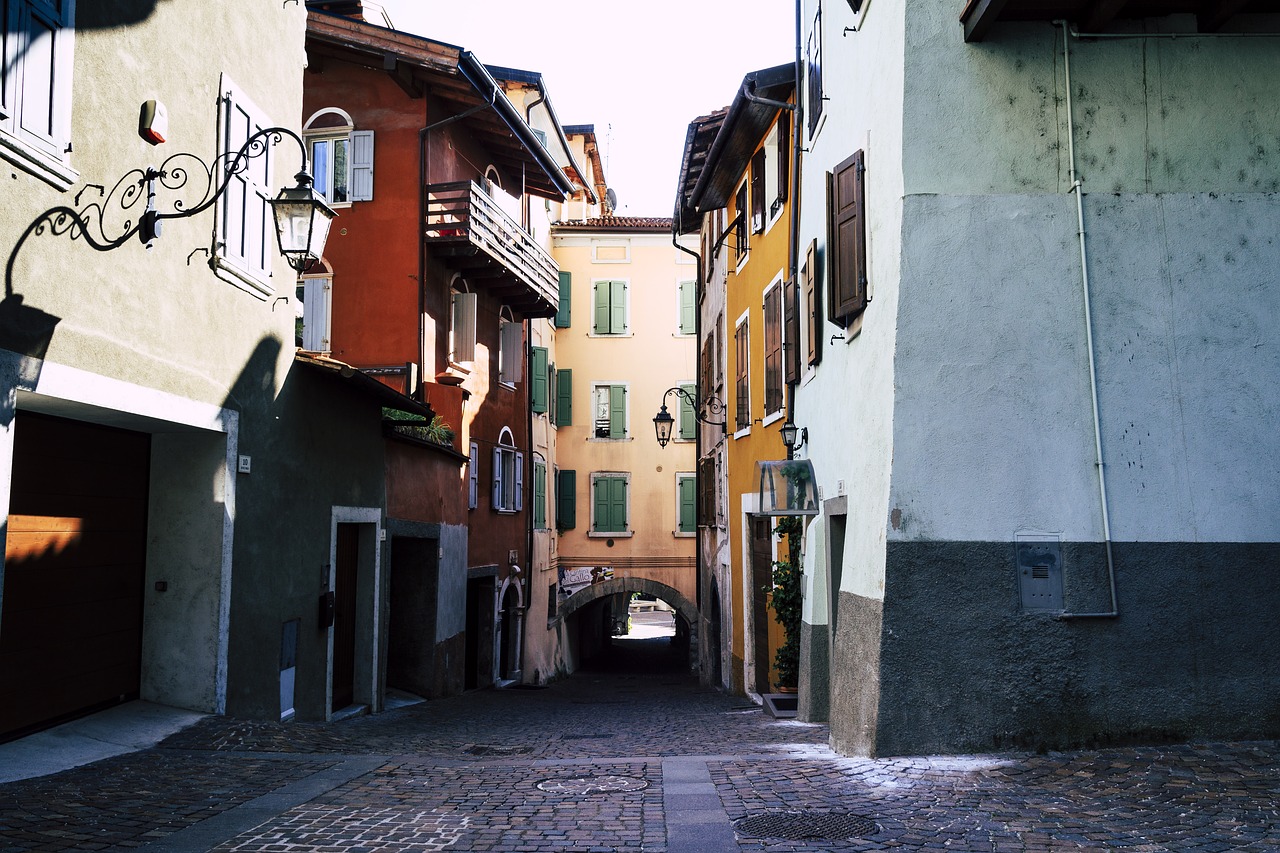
(1077, 188)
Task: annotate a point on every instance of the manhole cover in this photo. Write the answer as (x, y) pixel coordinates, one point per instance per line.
(593, 785)
(486, 749)
(798, 826)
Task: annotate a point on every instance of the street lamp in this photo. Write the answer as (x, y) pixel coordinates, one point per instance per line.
(793, 437)
(302, 222)
(663, 422)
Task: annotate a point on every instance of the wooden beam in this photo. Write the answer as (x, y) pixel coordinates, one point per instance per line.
(1099, 14)
(402, 74)
(1215, 13)
(979, 15)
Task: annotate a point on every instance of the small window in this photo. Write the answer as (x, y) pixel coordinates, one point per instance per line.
(610, 411)
(35, 87)
(341, 157)
(610, 308)
(848, 229)
(508, 475)
(742, 376)
(609, 503)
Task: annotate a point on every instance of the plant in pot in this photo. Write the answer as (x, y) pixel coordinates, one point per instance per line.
(785, 598)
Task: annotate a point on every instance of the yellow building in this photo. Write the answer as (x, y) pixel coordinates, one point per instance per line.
(742, 195)
(625, 507)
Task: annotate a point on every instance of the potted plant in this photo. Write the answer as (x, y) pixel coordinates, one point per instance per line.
(785, 599)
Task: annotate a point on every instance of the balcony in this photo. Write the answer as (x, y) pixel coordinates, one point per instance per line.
(472, 234)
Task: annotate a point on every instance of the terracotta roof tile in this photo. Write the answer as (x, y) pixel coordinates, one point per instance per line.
(598, 222)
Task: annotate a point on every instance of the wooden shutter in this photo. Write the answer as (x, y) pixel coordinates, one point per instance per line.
(497, 478)
(566, 499)
(784, 155)
(790, 332)
(316, 313)
(617, 307)
(539, 495)
(615, 495)
(706, 490)
(688, 308)
(847, 240)
(688, 424)
(362, 165)
(617, 411)
(564, 310)
(757, 191)
(813, 302)
(601, 322)
(688, 504)
(773, 350)
(564, 397)
(518, 491)
(473, 477)
(600, 500)
(539, 380)
(464, 327)
(742, 399)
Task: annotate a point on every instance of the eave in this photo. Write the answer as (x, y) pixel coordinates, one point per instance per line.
(1097, 16)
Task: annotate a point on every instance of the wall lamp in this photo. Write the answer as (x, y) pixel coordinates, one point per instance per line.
(663, 422)
(793, 437)
(302, 216)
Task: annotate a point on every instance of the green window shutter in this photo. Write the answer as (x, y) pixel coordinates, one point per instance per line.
(617, 411)
(610, 504)
(564, 397)
(539, 495)
(618, 307)
(601, 326)
(563, 315)
(688, 499)
(688, 425)
(600, 498)
(567, 499)
(539, 390)
(688, 321)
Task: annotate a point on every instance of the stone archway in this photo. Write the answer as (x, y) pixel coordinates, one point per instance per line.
(684, 608)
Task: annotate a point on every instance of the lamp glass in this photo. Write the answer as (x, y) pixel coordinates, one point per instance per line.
(789, 431)
(302, 222)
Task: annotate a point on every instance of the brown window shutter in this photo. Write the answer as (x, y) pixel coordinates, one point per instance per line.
(791, 332)
(784, 156)
(757, 191)
(813, 299)
(847, 239)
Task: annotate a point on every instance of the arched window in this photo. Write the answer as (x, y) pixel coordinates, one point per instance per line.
(341, 156)
(508, 474)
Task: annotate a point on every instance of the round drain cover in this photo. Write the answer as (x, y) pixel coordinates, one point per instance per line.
(798, 826)
(593, 785)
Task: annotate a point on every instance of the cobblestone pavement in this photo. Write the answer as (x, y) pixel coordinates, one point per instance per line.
(616, 761)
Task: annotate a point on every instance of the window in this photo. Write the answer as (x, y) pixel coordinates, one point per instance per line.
(609, 508)
(813, 64)
(790, 333)
(686, 504)
(688, 306)
(315, 311)
(740, 242)
(510, 351)
(773, 349)
(707, 490)
(688, 425)
(462, 327)
(742, 376)
(473, 477)
(813, 303)
(564, 309)
(847, 229)
(539, 381)
(610, 411)
(508, 475)
(784, 163)
(539, 495)
(564, 397)
(566, 499)
(341, 157)
(758, 177)
(35, 87)
(244, 223)
(611, 308)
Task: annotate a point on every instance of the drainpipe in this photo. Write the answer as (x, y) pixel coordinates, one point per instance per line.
(697, 435)
(1077, 187)
(793, 252)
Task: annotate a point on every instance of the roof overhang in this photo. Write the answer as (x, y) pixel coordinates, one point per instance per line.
(744, 125)
(697, 144)
(454, 76)
(362, 383)
(1096, 16)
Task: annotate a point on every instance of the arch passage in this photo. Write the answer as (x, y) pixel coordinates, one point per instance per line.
(597, 591)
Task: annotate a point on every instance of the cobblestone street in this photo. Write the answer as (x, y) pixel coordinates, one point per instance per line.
(628, 760)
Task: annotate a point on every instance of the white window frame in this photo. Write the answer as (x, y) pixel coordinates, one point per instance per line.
(229, 262)
(359, 166)
(596, 389)
(315, 307)
(744, 216)
(508, 475)
(681, 476)
(43, 154)
(629, 530)
(738, 324)
(775, 414)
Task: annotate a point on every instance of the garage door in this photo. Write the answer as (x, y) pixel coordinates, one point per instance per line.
(71, 627)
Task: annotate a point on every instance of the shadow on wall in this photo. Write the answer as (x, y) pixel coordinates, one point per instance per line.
(91, 15)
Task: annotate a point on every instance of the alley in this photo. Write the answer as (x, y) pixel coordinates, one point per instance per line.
(626, 757)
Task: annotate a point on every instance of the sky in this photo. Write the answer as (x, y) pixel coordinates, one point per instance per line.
(638, 71)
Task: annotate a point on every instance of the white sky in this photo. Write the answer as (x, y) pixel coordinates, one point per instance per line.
(639, 71)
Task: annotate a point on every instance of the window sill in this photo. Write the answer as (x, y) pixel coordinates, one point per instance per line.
(626, 534)
(611, 334)
(610, 440)
(48, 168)
(742, 433)
(772, 418)
(682, 535)
(251, 284)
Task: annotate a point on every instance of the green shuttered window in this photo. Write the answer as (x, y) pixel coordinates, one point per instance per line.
(610, 308)
(564, 397)
(687, 487)
(566, 499)
(564, 311)
(540, 379)
(609, 503)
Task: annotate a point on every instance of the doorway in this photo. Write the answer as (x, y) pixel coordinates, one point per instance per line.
(761, 580)
(346, 569)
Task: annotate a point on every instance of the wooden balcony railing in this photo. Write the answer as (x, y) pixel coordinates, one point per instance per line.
(468, 230)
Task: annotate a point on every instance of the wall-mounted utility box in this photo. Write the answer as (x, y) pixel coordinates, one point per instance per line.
(1039, 560)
